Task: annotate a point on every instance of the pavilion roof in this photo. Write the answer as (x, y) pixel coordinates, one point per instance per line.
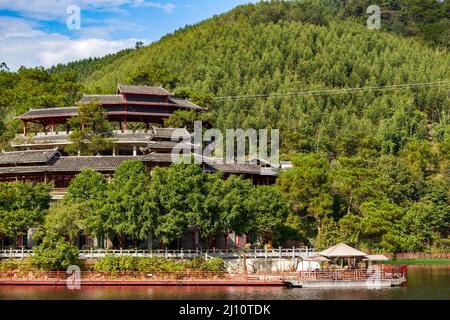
(184, 103)
(147, 90)
(342, 250)
(97, 163)
(168, 133)
(157, 157)
(245, 168)
(168, 145)
(62, 112)
(102, 98)
(72, 164)
(28, 157)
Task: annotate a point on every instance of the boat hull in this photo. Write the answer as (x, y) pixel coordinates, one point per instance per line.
(369, 283)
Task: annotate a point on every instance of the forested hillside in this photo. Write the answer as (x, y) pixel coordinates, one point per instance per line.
(371, 167)
(289, 47)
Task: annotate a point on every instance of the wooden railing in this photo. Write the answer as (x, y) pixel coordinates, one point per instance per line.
(87, 277)
(179, 254)
(381, 272)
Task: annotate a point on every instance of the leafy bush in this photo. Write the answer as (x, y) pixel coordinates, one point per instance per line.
(54, 253)
(16, 264)
(215, 264)
(127, 264)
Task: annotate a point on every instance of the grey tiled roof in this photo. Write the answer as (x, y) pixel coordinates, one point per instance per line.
(28, 157)
(156, 91)
(186, 104)
(110, 164)
(157, 157)
(132, 136)
(97, 163)
(167, 133)
(167, 145)
(242, 169)
(69, 111)
(72, 164)
(102, 98)
(52, 137)
(64, 138)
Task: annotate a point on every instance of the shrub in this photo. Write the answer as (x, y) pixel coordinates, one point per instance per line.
(54, 253)
(157, 264)
(215, 264)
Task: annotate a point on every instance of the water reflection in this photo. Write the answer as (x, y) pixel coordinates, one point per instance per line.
(423, 283)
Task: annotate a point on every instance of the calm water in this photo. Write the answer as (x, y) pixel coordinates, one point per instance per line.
(423, 283)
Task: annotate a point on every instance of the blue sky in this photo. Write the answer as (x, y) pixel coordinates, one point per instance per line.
(35, 32)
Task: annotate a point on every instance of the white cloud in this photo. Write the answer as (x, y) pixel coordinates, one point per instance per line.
(56, 9)
(168, 8)
(22, 44)
(107, 28)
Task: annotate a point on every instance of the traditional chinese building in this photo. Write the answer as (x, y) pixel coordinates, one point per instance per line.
(41, 156)
(130, 104)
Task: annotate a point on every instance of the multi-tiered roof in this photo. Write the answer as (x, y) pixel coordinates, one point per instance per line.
(42, 156)
(130, 104)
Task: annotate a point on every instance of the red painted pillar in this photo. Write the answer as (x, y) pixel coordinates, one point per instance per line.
(125, 115)
(167, 101)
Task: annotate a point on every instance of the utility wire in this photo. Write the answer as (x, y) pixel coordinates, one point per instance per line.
(335, 91)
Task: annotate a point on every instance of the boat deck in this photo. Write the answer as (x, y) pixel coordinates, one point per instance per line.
(387, 276)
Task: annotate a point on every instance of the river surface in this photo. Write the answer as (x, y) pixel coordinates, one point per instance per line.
(425, 282)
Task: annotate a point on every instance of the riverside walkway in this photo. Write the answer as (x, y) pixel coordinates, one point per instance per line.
(276, 253)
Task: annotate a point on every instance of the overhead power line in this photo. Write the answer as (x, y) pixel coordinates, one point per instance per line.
(336, 91)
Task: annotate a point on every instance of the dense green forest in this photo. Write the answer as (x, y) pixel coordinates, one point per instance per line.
(33, 88)
(370, 167)
(289, 47)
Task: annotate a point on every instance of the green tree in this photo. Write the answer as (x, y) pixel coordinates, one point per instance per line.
(22, 206)
(236, 214)
(269, 209)
(154, 75)
(54, 253)
(182, 119)
(91, 132)
(307, 187)
(181, 190)
(66, 219)
(86, 194)
(126, 209)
